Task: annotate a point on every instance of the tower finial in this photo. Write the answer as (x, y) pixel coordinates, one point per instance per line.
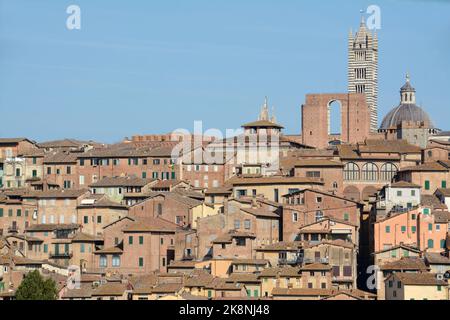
(407, 76)
(363, 22)
(273, 119)
(264, 115)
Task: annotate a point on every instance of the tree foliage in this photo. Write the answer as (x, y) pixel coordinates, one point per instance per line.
(34, 287)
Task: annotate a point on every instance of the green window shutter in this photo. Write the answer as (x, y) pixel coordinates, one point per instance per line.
(141, 240)
(444, 184)
(249, 293)
(82, 248)
(19, 212)
(1, 212)
(403, 228)
(10, 212)
(346, 217)
(443, 244)
(430, 243)
(141, 262)
(426, 211)
(388, 229)
(427, 185)
(256, 293)
(413, 216)
(173, 176)
(144, 175)
(413, 229)
(130, 240)
(430, 227)
(45, 248)
(209, 293)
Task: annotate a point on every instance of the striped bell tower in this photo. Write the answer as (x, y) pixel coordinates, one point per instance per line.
(363, 68)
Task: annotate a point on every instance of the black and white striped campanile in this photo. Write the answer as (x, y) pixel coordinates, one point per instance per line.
(363, 68)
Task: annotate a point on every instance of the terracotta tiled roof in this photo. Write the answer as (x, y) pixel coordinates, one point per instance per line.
(198, 278)
(418, 279)
(355, 293)
(85, 291)
(223, 190)
(129, 181)
(316, 266)
(60, 157)
(84, 237)
(56, 194)
(404, 184)
(260, 212)
(222, 284)
(66, 143)
(401, 246)
(52, 227)
(388, 146)
(430, 200)
(13, 140)
(302, 292)
(150, 224)
(429, 166)
(263, 124)
(405, 263)
(437, 258)
(110, 289)
(441, 216)
(166, 288)
(243, 278)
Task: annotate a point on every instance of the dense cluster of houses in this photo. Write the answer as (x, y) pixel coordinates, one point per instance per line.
(136, 220)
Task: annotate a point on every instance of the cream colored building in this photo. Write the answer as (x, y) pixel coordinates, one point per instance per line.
(416, 286)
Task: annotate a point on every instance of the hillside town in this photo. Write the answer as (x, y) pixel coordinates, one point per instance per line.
(362, 214)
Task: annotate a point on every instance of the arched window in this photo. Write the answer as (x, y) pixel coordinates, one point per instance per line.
(370, 172)
(388, 171)
(351, 171)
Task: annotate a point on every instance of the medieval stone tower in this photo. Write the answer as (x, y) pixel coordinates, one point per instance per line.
(363, 68)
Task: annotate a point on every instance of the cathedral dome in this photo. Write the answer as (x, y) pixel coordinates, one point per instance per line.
(407, 110)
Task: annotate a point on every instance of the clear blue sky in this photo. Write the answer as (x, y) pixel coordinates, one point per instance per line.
(139, 67)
